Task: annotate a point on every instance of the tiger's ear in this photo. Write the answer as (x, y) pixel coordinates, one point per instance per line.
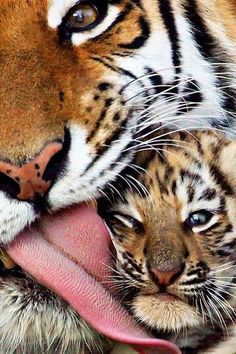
(227, 162)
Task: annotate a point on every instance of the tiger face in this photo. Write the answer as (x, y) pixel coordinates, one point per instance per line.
(81, 84)
(173, 231)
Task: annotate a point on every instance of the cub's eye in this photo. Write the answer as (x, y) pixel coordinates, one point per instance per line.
(125, 220)
(199, 218)
(85, 15)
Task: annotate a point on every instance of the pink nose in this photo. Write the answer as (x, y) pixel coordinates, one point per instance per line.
(166, 278)
(29, 176)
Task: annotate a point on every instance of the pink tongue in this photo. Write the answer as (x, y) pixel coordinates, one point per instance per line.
(69, 253)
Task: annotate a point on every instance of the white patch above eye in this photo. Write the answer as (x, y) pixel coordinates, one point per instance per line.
(129, 209)
(124, 220)
(57, 10)
(112, 13)
(201, 228)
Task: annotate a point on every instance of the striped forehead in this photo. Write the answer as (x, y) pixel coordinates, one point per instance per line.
(197, 190)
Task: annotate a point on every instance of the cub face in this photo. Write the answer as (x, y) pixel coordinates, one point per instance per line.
(81, 83)
(173, 233)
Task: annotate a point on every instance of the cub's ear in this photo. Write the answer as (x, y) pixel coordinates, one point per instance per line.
(227, 162)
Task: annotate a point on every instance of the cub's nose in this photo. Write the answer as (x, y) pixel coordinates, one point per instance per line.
(165, 278)
(33, 178)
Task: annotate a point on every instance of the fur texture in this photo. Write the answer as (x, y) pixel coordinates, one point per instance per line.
(98, 92)
(177, 279)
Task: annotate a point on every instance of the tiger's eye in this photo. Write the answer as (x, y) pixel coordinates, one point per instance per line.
(83, 16)
(199, 218)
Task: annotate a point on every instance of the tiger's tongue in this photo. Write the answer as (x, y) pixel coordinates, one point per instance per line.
(69, 253)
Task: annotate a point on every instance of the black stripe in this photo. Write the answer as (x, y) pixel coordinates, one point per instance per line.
(205, 42)
(119, 19)
(123, 54)
(169, 21)
(127, 270)
(191, 97)
(210, 228)
(137, 3)
(117, 134)
(190, 175)
(221, 180)
(155, 79)
(195, 281)
(97, 125)
(191, 193)
(208, 194)
(122, 72)
(157, 84)
(115, 69)
(139, 41)
(210, 48)
(132, 263)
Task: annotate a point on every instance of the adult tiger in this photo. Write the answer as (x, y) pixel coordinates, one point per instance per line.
(81, 83)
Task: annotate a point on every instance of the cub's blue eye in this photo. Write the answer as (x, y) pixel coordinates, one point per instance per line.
(199, 218)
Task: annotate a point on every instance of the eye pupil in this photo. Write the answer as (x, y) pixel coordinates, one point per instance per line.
(79, 17)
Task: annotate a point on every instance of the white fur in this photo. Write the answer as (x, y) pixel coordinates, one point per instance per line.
(43, 327)
(14, 216)
(57, 10)
(75, 186)
(159, 58)
(164, 314)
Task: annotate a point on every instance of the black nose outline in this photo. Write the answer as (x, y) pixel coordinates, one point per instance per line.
(11, 186)
(8, 185)
(57, 163)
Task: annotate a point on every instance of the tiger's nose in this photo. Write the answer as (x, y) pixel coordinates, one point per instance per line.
(33, 178)
(165, 278)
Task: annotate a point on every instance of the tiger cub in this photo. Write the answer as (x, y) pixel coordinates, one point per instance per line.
(173, 230)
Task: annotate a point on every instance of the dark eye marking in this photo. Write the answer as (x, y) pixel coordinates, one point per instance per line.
(173, 187)
(208, 194)
(211, 228)
(189, 175)
(221, 180)
(141, 39)
(125, 221)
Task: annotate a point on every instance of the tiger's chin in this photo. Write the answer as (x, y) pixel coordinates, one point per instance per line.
(164, 312)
